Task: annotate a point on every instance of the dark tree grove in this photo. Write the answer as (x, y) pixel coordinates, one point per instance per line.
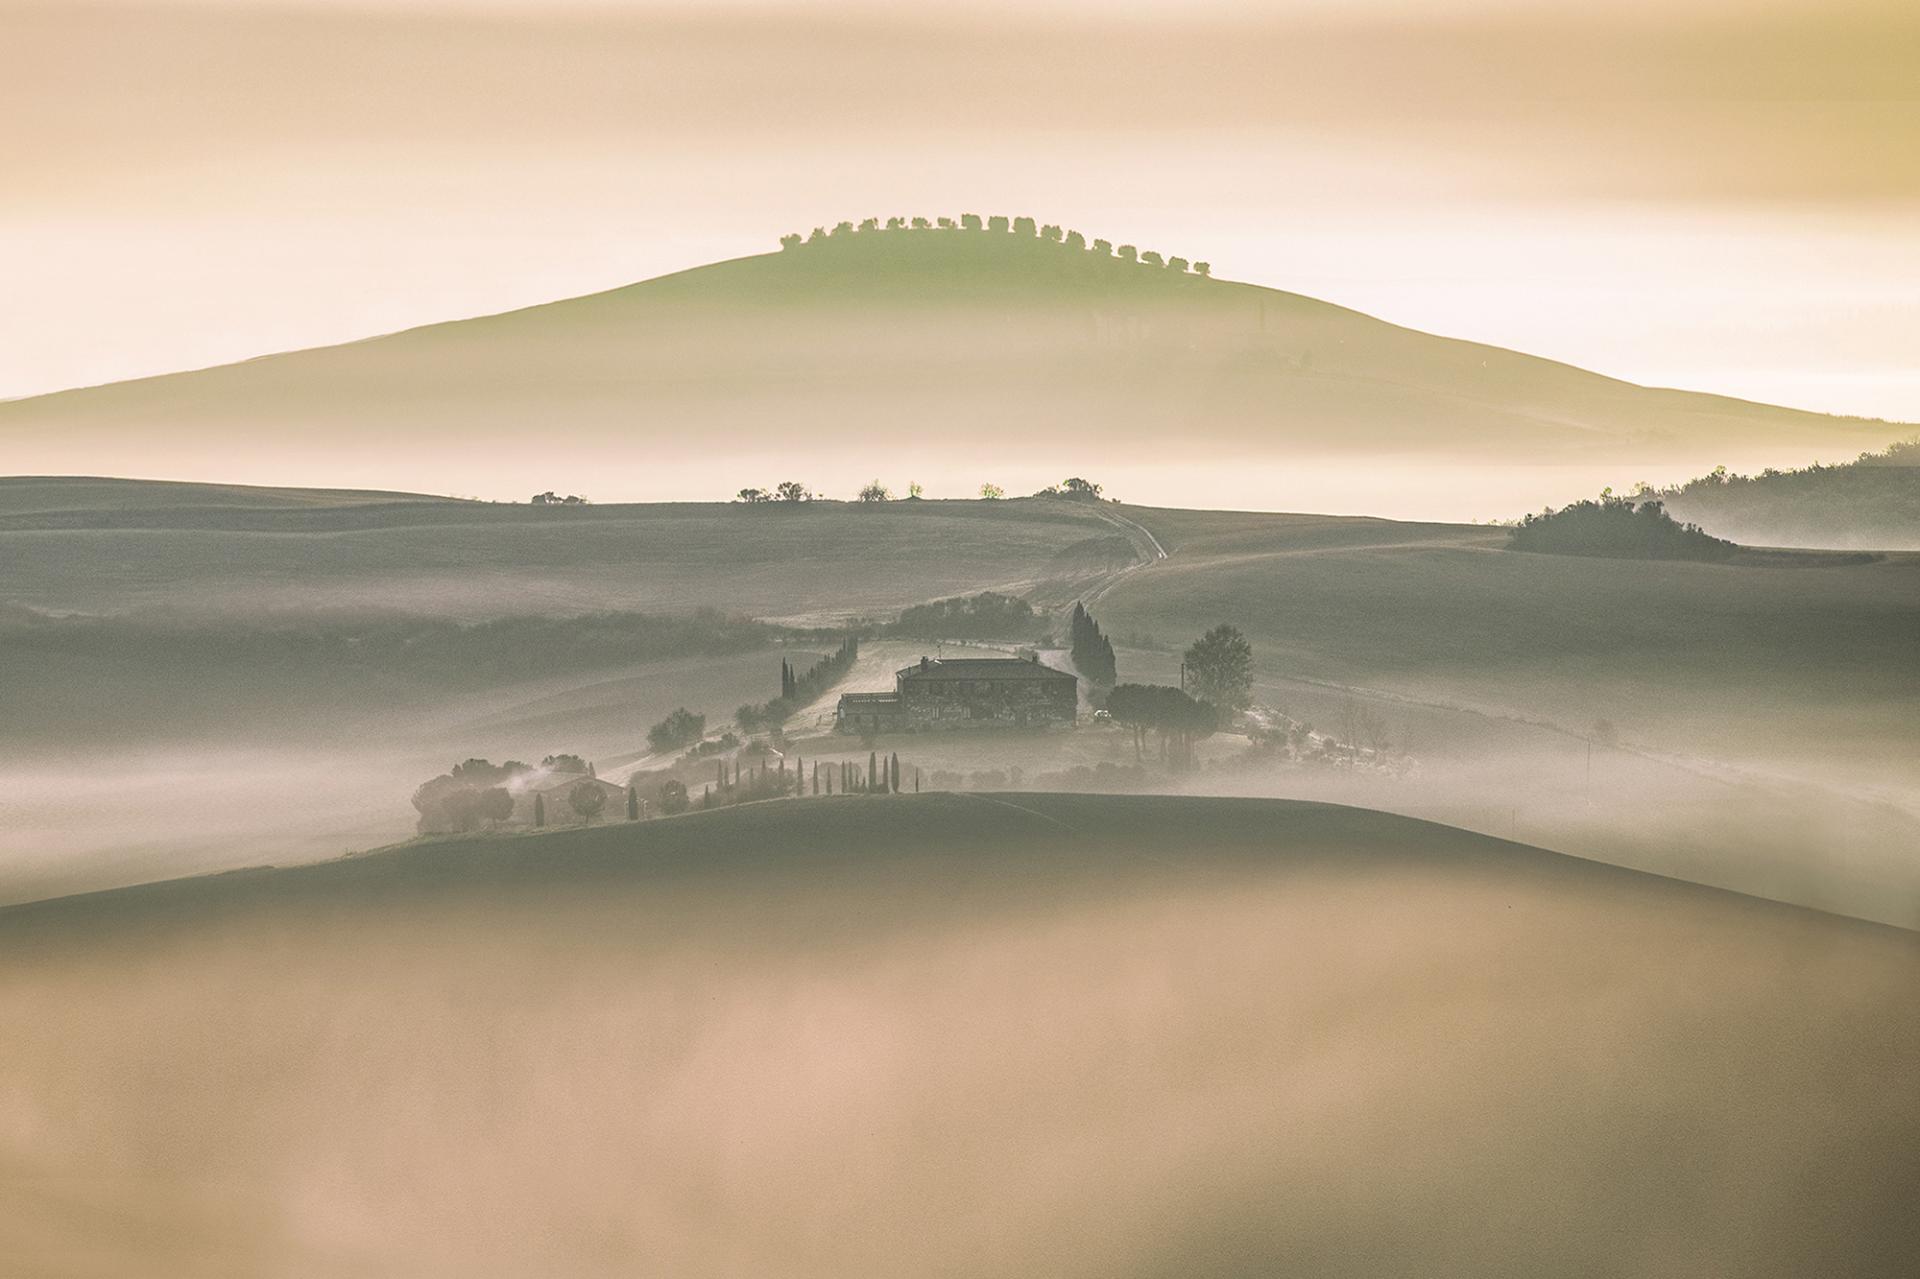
(1092, 651)
(1617, 528)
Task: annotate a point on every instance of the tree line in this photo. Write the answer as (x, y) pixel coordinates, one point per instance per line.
(1000, 224)
(797, 688)
(742, 782)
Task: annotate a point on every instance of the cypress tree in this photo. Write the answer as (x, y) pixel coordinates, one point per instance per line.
(539, 810)
(633, 803)
(894, 771)
(873, 772)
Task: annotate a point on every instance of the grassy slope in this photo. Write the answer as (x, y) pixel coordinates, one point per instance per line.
(950, 1035)
(479, 560)
(923, 347)
(51, 496)
(1758, 658)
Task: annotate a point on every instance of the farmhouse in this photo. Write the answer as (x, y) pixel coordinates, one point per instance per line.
(937, 694)
(556, 795)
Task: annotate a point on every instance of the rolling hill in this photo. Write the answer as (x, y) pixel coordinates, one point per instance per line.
(957, 1035)
(950, 356)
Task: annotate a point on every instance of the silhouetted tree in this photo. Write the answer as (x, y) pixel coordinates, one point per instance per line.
(1176, 264)
(1220, 666)
(1103, 247)
(998, 222)
(843, 228)
(874, 776)
(633, 802)
(1128, 253)
(895, 224)
(539, 810)
(566, 764)
(819, 233)
(874, 491)
(946, 224)
(1025, 226)
(1092, 652)
(870, 224)
(914, 491)
(791, 491)
(992, 492)
(790, 240)
(1074, 486)
(1203, 268)
(1075, 240)
(1150, 258)
(587, 799)
(970, 221)
(752, 495)
(673, 797)
(893, 770)
(1051, 232)
(920, 224)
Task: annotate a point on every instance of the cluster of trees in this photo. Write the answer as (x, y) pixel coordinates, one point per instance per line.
(550, 498)
(789, 491)
(1870, 502)
(745, 783)
(1620, 528)
(988, 615)
(477, 793)
(1073, 487)
(797, 688)
(999, 224)
(1092, 651)
(1177, 718)
(681, 728)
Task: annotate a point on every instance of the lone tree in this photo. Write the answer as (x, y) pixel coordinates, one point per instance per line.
(587, 799)
(791, 491)
(874, 491)
(682, 728)
(1203, 268)
(992, 492)
(1074, 486)
(1220, 666)
(753, 495)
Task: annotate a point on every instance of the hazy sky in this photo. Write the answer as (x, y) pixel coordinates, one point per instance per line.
(1704, 194)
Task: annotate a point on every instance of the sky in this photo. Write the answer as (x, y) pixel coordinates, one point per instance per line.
(1702, 194)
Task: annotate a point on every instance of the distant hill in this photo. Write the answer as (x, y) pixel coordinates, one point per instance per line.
(1871, 503)
(907, 354)
(53, 495)
(998, 1034)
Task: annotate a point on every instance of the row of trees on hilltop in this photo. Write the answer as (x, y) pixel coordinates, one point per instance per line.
(1000, 224)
